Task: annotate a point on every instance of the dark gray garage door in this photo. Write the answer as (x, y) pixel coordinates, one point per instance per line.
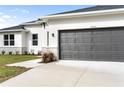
(95, 44)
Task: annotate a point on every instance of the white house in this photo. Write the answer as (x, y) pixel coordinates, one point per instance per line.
(94, 33)
(25, 38)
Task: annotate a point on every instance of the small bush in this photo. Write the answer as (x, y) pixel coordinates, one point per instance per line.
(48, 57)
(3, 52)
(10, 53)
(26, 53)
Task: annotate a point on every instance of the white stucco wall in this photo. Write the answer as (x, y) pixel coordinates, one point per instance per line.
(16, 47)
(18, 39)
(110, 20)
(36, 29)
(24, 39)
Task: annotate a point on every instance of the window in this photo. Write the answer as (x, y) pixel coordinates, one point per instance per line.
(6, 40)
(9, 40)
(34, 39)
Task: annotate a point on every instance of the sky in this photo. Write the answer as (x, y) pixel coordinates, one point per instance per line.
(11, 15)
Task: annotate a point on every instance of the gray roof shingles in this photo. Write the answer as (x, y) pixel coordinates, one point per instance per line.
(13, 28)
(93, 8)
(32, 21)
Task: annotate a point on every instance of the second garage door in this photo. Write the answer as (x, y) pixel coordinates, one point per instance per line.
(92, 44)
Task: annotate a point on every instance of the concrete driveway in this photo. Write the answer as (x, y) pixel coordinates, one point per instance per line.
(71, 74)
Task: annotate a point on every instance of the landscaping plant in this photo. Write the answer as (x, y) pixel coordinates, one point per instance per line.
(48, 57)
(10, 53)
(26, 52)
(3, 52)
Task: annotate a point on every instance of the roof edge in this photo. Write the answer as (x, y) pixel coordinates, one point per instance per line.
(84, 13)
(33, 23)
(16, 30)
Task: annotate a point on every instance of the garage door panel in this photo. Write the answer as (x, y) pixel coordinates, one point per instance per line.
(69, 55)
(67, 34)
(68, 47)
(83, 39)
(83, 47)
(118, 32)
(63, 40)
(69, 39)
(115, 56)
(106, 33)
(84, 55)
(65, 54)
(119, 56)
(101, 36)
(118, 39)
(101, 55)
(73, 54)
(118, 47)
(83, 33)
(101, 47)
(101, 39)
(99, 44)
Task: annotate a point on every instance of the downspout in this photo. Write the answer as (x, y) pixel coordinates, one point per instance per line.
(44, 24)
(47, 38)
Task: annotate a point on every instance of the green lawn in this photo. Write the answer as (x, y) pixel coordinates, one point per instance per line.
(8, 59)
(9, 72)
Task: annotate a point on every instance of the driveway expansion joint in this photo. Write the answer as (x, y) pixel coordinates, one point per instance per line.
(83, 73)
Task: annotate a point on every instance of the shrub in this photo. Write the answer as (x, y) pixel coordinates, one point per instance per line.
(3, 52)
(26, 53)
(10, 53)
(48, 57)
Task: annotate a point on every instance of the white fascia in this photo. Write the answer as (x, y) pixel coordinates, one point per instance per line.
(17, 30)
(34, 23)
(91, 13)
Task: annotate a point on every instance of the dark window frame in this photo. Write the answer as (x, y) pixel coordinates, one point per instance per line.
(9, 41)
(35, 39)
(12, 40)
(6, 40)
